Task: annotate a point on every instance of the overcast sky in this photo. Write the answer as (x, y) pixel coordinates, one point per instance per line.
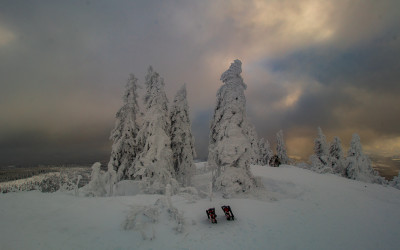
(306, 63)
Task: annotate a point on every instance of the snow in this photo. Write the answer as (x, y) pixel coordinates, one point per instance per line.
(300, 209)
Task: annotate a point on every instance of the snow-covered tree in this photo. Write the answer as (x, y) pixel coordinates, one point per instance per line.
(265, 152)
(251, 133)
(336, 158)
(96, 186)
(154, 164)
(230, 149)
(182, 140)
(281, 148)
(110, 178)
(396, 181)
(124, 148)
(358, 164)
(319, 160)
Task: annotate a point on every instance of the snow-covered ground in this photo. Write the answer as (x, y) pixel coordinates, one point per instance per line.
(299, 210)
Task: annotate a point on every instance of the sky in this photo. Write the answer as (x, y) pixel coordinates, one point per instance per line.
(306, 63)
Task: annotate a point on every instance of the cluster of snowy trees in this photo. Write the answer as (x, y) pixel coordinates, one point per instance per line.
(155, 147)
(266, 155)
(329, 158)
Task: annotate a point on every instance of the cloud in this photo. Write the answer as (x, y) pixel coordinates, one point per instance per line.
(307, 63)
(6, 37)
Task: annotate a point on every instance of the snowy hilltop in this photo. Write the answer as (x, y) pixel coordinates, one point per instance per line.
(301, 210)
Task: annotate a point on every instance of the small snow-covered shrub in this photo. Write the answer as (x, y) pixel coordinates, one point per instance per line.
(50, 184)
(395, 182)
(96, 186)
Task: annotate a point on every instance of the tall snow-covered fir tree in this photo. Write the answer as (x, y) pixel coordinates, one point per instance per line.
(319, 159)
(265, 152)
(182, 140)
(154, 164)
(358, 164)
(124, 148)
(336, 158)
(281, 148)
(230, 149)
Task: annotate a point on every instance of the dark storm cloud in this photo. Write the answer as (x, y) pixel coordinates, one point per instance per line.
(30, 148)
(352, 90)
(63, 67)
(373, 66)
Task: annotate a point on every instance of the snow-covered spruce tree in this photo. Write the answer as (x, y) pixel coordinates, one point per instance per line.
(182, 140)
(154, 164)
(230, 150)
(319, 160)
(336, 158)
(124, 148)
(265, 152)
(358, 166)
(281, 148)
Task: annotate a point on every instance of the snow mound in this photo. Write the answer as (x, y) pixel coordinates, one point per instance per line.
(127, 187)
(234, 181)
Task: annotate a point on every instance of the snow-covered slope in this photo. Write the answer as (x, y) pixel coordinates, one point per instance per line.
(299, 210)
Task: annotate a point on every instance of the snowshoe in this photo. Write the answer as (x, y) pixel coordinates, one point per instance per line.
(211, 215)
(228, 212)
